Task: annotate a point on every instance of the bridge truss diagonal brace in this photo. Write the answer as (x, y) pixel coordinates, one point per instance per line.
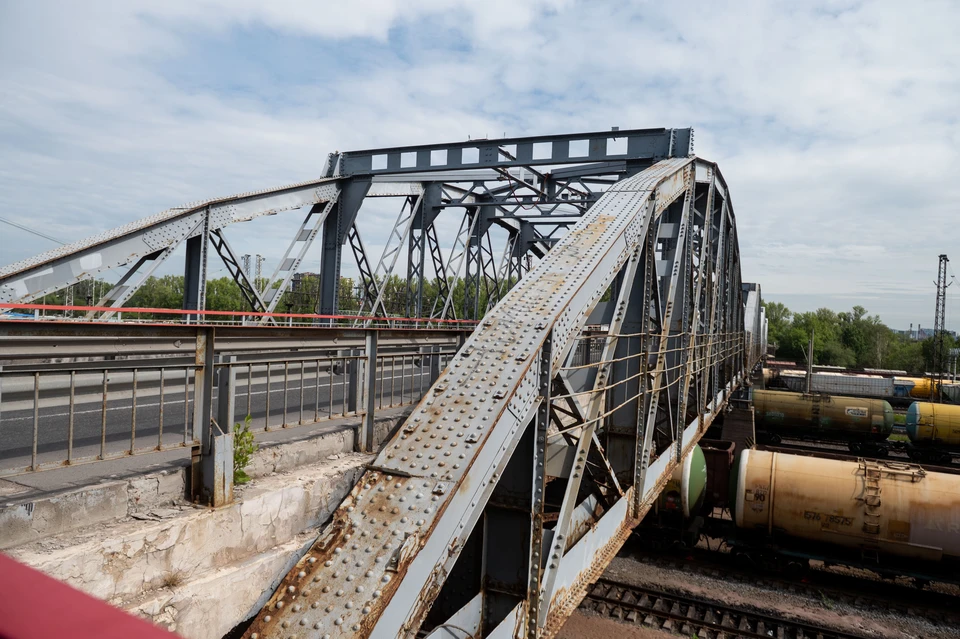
(403, 527)
(296, 251)
(120, 247)
(247, 288)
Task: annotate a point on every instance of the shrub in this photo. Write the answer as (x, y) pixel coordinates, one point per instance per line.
(243, 448)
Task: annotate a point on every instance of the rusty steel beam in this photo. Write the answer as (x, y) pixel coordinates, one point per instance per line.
(410, 548)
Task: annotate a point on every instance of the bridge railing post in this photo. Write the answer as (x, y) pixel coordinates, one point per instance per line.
(352, 370)
(212, 457)
(432, 356)
(226, 392)
(366, 439)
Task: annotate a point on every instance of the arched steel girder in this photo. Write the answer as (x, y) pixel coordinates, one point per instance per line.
(450, 525)
(575, 169)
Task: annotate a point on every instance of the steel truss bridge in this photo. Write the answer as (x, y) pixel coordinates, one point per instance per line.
(525, 466)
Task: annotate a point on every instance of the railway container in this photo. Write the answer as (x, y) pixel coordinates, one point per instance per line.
(934, 424)
(822, 416)
(854, 385)
(874, 507)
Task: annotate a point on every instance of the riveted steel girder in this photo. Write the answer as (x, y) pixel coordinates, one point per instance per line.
(454, 473)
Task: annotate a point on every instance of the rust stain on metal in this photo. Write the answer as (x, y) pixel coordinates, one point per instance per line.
(567, 599)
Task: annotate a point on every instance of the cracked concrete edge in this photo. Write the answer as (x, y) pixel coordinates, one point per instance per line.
(26, 521)
(209, 607)
(126, 559)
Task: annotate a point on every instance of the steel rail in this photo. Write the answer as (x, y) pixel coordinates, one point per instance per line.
(690, 615)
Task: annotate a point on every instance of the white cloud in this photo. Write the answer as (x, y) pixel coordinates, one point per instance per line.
(834, 123)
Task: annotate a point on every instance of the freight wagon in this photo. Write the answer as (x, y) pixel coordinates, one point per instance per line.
(895, 519)
(855, 420)
(934, 431)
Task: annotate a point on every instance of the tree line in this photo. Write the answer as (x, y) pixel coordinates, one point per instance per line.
(852, 339)
(223, 294)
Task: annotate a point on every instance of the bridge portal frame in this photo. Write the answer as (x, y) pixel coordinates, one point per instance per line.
(491, 184)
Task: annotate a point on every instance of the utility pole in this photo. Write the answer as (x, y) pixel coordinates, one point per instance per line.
(257, 280)
(810, 363)
(939, 332)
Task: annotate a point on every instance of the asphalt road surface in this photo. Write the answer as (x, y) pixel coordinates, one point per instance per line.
(115, 428)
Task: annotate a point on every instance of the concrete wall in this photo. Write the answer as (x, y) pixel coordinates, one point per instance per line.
(38, 516)
(197, 571)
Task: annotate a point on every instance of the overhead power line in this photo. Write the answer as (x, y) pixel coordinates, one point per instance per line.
(30, 230)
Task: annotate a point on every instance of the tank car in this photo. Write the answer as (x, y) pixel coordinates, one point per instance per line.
(674, 518)
(847, 419)
(934, 431)
(687, 486)
(919, 387)
(894, 518)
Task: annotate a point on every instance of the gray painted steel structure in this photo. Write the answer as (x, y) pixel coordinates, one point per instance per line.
(449, 530)
(450, 527)
(486, 184)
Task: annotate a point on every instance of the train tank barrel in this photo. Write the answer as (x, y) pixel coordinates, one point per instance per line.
(686, 489)
(927, 423)
(847, 417)
(897, 509)
(920, 388)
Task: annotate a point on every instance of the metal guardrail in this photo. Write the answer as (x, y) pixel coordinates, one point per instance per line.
(194, 317)
(99, 406)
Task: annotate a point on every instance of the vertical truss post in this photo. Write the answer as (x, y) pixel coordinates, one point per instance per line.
(195, 269)
(644, 437)
(537, 545)
(471, 282)
(424, 216)
(687, 309)
(335, 227)
(709, 388)
(367, 434)
(665, 365)
(480, 261)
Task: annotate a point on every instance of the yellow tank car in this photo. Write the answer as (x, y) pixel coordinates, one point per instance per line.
(921, 386)
(890, 508)
(934, 431)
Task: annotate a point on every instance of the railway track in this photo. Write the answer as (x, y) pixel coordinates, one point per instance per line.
(692, 616)
(832, 587)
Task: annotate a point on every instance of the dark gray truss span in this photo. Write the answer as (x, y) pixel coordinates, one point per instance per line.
(546, 439)
(511, 199)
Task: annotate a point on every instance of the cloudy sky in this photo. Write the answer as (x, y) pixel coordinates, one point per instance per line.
(835, 123)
